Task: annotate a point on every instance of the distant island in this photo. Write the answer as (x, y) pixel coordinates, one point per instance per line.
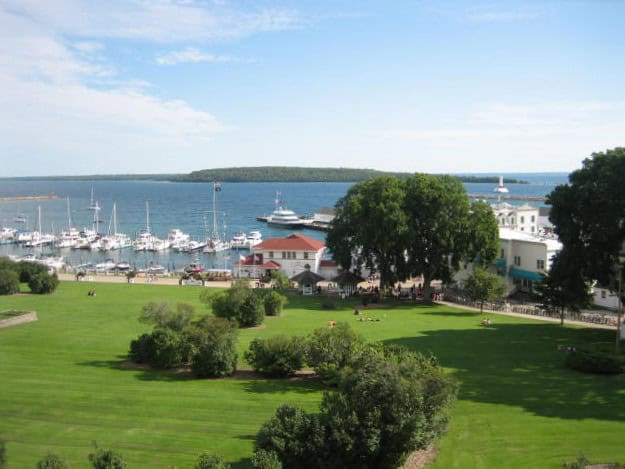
(303, 174)
(266, 174)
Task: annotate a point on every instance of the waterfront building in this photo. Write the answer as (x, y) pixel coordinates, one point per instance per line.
(517, 217)
(291, 255)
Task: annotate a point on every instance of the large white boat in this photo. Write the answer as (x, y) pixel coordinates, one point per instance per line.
(146, 241)
(176, 239)
(238, 241)
(253, 238)
(285, 218)
(8, 235)
(191, 246)
(70, 237)
(37, 237)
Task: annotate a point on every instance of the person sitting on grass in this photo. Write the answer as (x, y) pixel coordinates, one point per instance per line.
(486, 322)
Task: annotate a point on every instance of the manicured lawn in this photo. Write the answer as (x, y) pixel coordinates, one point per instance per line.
(62, 387)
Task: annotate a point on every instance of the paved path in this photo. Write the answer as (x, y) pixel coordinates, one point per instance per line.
(531, 316)
(137, 280)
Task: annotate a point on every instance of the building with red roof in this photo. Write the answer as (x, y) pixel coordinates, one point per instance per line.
(291, 255)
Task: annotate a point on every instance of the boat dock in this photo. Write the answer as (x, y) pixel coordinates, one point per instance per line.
(507, 197)
(28, 197)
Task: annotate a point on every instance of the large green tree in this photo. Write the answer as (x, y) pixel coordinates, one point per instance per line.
(588, 215)
(442, 233)
(369, 227)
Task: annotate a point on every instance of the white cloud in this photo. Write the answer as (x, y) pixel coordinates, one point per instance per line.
(158, 20)
(193, 55)
(52, 116)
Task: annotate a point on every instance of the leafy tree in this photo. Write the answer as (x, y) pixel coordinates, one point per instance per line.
(142, 349)
(43, 283)
(106, 459)
(588, 215)
(331, 349)
(280, 280)
(562, 288)
(167, 351)
(238, 302)
(276, 356)
(483, 234)
(369, 225)
(263, 459)
(216, 353)
(211, 461)
(9, 282)
(439, 232)
(297, 438)
(163, 315)
(27, 270)
(51, 461)
(483, 286)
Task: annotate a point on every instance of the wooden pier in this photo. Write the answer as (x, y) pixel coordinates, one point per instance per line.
(22, 198)
(527, 198)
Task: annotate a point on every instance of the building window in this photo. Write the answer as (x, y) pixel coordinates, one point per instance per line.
(270, 255)
(283, 254)
(603, 295)
(540, 264)
(532, 228)
(522, 220)
(503, 254)
(517, 260)
(533, 218)
(294, 255)
(305, 255)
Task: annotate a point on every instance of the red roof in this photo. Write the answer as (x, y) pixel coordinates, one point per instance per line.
(327, 263)
(250, 261)
(295, 242)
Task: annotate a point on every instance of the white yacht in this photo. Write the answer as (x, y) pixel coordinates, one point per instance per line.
(253, 238)
(114, 240)
(285, 218)
(176, 238)
(238, 241)
(8, 235)
(37, 237)
(146, 241)
(216, 242)
(70, 237)
(214, 245)
(191, 246)
(108, 264)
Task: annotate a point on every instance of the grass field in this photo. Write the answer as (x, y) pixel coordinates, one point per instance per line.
(62, 387)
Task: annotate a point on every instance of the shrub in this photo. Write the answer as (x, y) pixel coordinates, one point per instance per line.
(593, 362)
(276, 356)
(9, 282)
(263, 459)
(274, 302)
(43, 283)
(51, 461)
(27, 270)
(295, 437)
(142, 349)
(210, 461)
(330, 349)
(163, 315)
(216, 353)
(106, 459)
(167, 348)
(328, 302)
(251, 311)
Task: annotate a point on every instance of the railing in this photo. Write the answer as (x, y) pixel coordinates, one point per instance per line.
(592, 317)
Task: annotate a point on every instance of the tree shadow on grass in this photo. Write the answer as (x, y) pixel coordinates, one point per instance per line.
(143, 372)
(465, 314)
(244, 463)
(283, 385)
(520, 365)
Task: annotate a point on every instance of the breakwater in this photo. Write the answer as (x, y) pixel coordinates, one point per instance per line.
(527, 198)
(21, 198)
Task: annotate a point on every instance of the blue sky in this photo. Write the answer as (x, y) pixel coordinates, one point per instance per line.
(110, 87)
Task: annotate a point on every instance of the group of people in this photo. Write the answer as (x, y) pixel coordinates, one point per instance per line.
(91, 293)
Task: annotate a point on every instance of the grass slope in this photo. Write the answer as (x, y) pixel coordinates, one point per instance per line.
(62, 387)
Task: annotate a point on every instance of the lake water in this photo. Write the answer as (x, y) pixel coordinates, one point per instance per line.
(187, 206)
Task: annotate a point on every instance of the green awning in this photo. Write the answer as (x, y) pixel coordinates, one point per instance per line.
(525, 275)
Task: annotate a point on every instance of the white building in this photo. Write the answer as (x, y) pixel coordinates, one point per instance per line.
(291, 255)
(517, 217)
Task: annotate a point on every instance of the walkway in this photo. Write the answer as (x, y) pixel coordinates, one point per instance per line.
(531, 316)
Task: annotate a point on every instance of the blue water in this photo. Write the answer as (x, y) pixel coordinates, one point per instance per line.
(187, 206)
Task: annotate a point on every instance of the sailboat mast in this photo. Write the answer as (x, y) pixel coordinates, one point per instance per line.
(214, 211)
(69, 216)
(147, 216)
(114, 219)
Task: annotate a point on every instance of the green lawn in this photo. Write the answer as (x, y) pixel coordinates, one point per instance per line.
(62, 388)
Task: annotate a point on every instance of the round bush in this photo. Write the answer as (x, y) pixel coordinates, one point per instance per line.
(51, 461)
(142, 349)
(274, 302)
(251, 311)
(9, 282)
(43, 282)
(210, 461)
(263, 459)
(27, 270)
(276, 356)
(216, 353)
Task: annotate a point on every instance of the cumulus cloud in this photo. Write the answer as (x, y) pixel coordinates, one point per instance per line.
(59, 101)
